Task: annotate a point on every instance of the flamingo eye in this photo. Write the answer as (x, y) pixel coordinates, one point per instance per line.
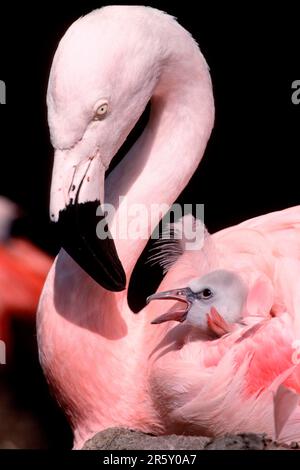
(205, 294)
(101, 112)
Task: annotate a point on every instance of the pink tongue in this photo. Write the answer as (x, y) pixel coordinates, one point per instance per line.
(175, 314)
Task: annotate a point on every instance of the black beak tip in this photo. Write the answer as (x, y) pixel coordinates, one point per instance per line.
(97, 257)
(117, 284)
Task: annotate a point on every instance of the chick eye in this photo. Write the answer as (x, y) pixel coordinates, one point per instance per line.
(101, 112)
(205, 294)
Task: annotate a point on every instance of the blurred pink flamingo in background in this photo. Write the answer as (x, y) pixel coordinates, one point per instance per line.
(23, 270)
(106, 366)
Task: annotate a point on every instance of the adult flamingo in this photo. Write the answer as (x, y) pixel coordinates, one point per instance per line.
(107, 366)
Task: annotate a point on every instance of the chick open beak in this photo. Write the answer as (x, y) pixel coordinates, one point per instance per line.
(176, 313)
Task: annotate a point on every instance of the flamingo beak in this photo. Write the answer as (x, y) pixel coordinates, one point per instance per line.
(179, 314)
(75, 208)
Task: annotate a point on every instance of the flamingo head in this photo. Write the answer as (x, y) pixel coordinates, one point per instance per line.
(103, 74)
(216, 297)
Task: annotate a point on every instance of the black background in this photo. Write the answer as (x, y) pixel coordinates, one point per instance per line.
(251, 163)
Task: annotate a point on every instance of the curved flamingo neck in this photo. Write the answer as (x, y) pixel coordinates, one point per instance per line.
(161, 162)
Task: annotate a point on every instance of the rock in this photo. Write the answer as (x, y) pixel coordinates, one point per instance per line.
(238, 442)
(127, 439)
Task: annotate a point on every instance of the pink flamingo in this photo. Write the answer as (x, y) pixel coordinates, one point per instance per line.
(106, 366)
